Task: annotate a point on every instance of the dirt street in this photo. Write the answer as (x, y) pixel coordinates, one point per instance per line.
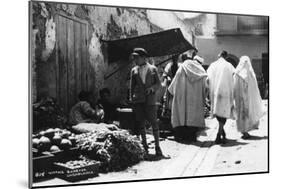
(200, 158)
(242, 156)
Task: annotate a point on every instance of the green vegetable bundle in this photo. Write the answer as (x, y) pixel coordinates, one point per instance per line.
(117, 150)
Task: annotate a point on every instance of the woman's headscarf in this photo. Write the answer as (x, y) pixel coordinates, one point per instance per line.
(245, 69)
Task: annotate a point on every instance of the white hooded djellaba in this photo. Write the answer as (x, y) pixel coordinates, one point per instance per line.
(188, 90)
(247, 97)
(221, 84)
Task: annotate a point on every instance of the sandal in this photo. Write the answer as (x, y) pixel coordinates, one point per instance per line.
(158, 151)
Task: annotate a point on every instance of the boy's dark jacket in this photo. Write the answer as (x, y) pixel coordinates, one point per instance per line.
(138, 88)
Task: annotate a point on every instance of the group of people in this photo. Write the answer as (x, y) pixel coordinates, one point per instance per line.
(232, 92)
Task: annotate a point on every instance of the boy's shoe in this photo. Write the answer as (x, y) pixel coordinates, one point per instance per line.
(158, 151)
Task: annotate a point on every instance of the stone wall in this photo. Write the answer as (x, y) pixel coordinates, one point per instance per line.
(107, 23)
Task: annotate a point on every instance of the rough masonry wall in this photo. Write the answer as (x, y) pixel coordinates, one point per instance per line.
(42, 44)
(110, 24)
(104, 23)
(107, 23)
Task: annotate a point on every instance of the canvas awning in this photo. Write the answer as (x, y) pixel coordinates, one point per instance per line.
(162, 43)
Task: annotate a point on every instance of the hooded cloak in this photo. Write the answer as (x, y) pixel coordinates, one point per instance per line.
(188, 90)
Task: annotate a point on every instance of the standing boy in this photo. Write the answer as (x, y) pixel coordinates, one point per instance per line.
(143, 86)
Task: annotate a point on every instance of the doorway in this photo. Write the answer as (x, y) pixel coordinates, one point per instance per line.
(72, 69)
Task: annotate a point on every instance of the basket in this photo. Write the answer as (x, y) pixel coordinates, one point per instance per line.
(77, 174)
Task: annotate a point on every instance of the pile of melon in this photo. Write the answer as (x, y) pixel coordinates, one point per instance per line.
(53, 140)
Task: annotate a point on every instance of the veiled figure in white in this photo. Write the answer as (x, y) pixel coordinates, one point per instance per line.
(248, 102)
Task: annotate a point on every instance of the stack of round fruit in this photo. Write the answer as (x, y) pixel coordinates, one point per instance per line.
(53, 140)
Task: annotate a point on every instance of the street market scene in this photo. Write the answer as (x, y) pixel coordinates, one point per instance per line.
(125, 94)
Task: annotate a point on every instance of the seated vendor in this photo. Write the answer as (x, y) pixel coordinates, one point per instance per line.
(82, 112)
(108, 107)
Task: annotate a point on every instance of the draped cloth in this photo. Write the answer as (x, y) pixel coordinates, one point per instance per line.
(247, 97)
(221, 84)
(188, 90)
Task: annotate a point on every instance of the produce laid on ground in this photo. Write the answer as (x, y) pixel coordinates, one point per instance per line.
(49, 146)
(57, 152)
(53, 140)
(75, 164)
(102, 150)
(79, 169)
(116, 150)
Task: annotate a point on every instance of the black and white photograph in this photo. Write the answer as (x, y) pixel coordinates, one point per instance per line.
(127, 94)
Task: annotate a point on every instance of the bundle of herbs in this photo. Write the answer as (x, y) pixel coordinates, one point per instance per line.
(116, 150)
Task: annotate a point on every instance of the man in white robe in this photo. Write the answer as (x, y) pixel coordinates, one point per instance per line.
(188, 90)
(221, 84)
